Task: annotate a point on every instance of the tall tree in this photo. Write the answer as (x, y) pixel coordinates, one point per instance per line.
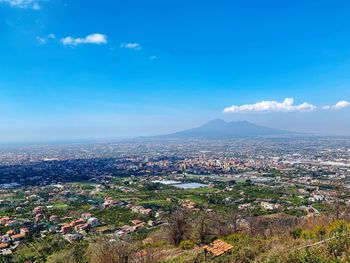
(178, 227)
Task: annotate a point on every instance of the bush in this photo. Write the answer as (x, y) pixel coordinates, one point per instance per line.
(307, 255)
(308, 234)
(338, 227)
(187, 244)
(296, 233)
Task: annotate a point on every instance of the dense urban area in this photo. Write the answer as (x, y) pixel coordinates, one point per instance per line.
(242, 200)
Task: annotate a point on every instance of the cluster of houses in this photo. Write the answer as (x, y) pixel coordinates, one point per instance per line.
(269, 206)
(75, 229)
(10, 240)
(139, 209)
(316, 197)
(136, 224)
(109, 202)
(126, 229)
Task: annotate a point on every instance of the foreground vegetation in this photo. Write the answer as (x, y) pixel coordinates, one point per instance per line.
(182, 222)
(319, 239)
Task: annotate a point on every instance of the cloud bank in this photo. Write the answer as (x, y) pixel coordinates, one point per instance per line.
(339, 105)
(31, 4)
(95, 38)
(271, 106)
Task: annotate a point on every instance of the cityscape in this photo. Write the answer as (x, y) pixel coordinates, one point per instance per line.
(59, 196)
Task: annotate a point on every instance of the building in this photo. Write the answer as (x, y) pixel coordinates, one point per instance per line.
(66, 229)
(17, 237)
(93, 221)
(53, 218)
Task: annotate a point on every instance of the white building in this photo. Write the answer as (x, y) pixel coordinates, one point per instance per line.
(93, 221)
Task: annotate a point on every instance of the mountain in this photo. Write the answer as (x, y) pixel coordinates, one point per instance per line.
(220, 129)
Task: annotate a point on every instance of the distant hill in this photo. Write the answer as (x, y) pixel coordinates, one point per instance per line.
(220, 129)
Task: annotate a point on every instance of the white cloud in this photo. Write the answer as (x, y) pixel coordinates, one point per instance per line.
(41, 40)
(339, 105)
(153, 57)
(44, 40)
(271, 106)
(32, 4)
(95, 38)
(134, 46)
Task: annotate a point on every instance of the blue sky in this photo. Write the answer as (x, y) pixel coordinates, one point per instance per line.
(101, 69)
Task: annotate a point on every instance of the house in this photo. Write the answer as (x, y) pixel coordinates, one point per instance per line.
(5, 239)
(10, 232)
(82, 227)
(136, 222)
(141, 210)
(108, 202)
(316, 198)
(66, 229)
(4, 245)
(24, 231)
(78, 221)
(11, 223)
(218, 247)
(244, 206)
(125, 230)
(17, 237)
(188, 204)
(269, 206)
(86, 216)
(93, 221)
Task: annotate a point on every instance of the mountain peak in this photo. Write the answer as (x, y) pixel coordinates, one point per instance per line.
(220, 129)
(217, 121)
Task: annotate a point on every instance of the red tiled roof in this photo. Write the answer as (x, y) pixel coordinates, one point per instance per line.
(218, 247)
(17, 236)
(3, 245)
(10, 232)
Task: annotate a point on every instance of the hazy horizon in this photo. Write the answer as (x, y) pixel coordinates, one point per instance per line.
(112, 138)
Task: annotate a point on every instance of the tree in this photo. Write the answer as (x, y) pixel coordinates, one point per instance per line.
(338, 203)
(178, 227)
(225, 223)
(110, 251)
(219, 227)
(232, 220)
(203, 228)
(252, 220)
(63, 257)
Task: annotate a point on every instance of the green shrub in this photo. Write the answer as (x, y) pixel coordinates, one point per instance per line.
(296, 233)
(187, 244)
